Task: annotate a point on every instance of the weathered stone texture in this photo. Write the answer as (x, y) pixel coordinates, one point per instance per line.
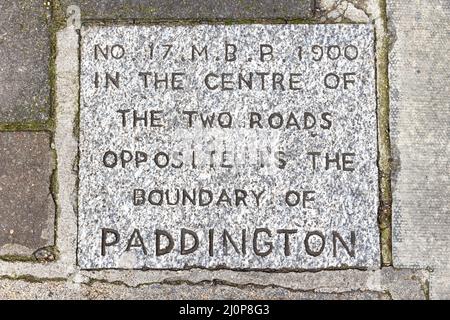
(192, 9)
(419, 76)
(387, 283)
(24, 61)
(26, 204)
(338, 10)
(18, 289)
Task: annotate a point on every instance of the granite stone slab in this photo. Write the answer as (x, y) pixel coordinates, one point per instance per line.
(245, 146)
(26, 206)
(192, 9)
(24, 61)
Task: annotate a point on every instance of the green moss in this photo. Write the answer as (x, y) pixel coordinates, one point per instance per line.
(29, 258)
(389, 294)
(33, 279)
(27, 126)
(58, 16)
(384, 145)
(426, 289)
(424, 285)
(17, 258)
(226, 21)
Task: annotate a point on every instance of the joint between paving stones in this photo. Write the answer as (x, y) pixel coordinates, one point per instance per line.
(32, 279)
(213, 282)
(50, 253)
(424, 284)
(384, 152)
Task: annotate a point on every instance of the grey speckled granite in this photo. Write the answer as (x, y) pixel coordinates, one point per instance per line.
(192, 9)
(217, 171)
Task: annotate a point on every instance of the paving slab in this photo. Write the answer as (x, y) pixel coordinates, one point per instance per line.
(387, 283)
(420, 117)
(18, 289)
(26, 204)
(24, 61)
(192, 9)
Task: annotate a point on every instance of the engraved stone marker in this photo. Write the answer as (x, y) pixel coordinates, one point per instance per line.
(244, 146)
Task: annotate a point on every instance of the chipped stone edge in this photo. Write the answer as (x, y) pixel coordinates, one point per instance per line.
(65, 268)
